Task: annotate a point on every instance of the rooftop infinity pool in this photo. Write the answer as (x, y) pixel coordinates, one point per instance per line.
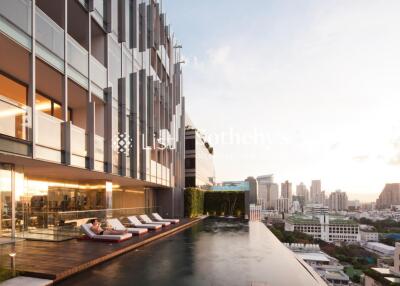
(212, 252)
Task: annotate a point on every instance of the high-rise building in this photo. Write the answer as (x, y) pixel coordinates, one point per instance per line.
(302, 191)
(286, 191)
(282, 205)
(253, 190)
(338, 201)
(199, 162)
(92, 111)
(389, 196)
(315, 192)
(268, 191)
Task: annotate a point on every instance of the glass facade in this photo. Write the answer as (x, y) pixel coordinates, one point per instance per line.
(5, 199)
(199, 165)
(54, 209)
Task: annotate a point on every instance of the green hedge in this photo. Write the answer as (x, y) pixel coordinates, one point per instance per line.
(198, 202)
(194, 202)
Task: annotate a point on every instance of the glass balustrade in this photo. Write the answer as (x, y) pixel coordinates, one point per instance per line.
(98, 73)
(63, 225)
(78, 141)
(49, 34)
(99, 7)
(17, 12)
(15, 119)
(48, 132)
(98, 148)
(77, 56)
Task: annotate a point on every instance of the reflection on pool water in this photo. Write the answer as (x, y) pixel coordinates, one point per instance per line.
(212, 252)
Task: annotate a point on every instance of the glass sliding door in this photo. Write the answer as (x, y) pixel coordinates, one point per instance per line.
(7, 214)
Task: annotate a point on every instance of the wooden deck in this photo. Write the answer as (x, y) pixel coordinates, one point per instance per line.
(58, 260)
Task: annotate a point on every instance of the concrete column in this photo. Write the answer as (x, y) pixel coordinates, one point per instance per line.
(66, 125)
(122, 126)
(32, 82)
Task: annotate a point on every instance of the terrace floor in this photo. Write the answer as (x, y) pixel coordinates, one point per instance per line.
(58, 260)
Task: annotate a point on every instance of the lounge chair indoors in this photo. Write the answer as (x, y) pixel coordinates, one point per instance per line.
(158, 218)
(147, 220)
(104, 237)
(134, 221)
(117, 225)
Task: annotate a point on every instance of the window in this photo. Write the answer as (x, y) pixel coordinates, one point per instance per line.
(43, 104)
(13, 90)
(189, 144)
(190, 163)
(50, 107)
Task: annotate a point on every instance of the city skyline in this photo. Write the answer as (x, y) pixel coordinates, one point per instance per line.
(295, 92)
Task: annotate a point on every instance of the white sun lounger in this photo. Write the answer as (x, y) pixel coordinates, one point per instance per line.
(157, 217)
(137, 223)
(105, 237)
(117, 225)
(147, 220)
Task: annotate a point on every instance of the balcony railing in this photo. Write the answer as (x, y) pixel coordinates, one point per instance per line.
(78, 141)
(48, 131)
(17, 12)
(98, 148)
(99, 7)
(14, 119)
(77, 56)
(66, 224)
(49, 34)
(98, 73)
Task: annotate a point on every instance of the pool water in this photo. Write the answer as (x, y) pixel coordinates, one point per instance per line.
(212, 252)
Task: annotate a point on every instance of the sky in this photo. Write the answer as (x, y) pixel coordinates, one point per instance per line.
(302, 89)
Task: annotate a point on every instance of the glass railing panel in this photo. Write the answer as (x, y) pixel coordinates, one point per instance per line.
(99, 7)
(17, 12)
(77, 56)
(98, 73)
(153, 168)
(48, 131)
(15, 119)
(62, 225)
(128, 166)
(49, 34)
(78, 141)
(98, 148)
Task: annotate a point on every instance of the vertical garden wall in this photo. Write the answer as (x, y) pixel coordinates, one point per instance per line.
(214, 203)
(194, 202)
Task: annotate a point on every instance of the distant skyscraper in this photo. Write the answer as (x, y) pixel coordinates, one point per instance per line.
(338, 201)
(302, 191)
(286, 191)
(253, 188)
(315, 192)
(282, 205)
(268, 191)
(273, 195)
(389, 196)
